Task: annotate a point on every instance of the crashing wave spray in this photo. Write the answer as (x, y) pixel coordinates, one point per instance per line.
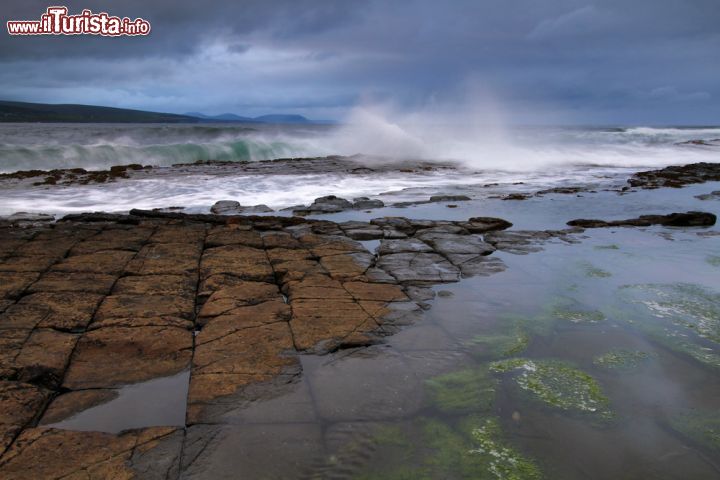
(477, 135)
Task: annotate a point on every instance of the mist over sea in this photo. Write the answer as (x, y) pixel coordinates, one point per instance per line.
(100, 146)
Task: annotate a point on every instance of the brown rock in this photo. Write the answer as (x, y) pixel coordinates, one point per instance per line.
(13, 284)
(47, 453)
(36, 263)
(322, 325)
(77, 282)
(70, 403)
(108, 262)
(166, 259)
(45, 356)
(180, 285)
(20, 403)
(183, 232)
(113, 356)
(61, 310)
(347, 266)
(375, 291)
(233, 235)
(246, 293)
(243, 262)
(145, 306)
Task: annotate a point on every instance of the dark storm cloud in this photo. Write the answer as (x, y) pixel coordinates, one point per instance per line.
(588, 60)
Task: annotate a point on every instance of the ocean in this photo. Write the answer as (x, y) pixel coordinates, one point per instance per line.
(536, 156)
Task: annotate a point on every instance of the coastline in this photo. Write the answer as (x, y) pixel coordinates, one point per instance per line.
(94, 302)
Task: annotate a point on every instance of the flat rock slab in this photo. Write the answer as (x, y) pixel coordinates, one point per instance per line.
(98, 301)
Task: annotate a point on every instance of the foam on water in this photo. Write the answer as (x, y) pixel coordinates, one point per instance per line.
(478, 140)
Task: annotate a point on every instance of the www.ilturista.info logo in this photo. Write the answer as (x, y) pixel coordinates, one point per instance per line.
(56, 21)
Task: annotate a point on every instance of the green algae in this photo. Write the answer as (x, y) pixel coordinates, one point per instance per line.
(702, 427)
(557, 384)
(713, 260)
(504, 461)
(611, 246)
(472, 449)
(621, 359)
(464, 391)
(686, 306)
(512, 340)
(592, 271)
(570, 310)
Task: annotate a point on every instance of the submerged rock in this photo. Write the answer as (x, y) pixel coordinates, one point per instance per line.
(465, 391)
(557, 384)
(621, 359)
(474, 448)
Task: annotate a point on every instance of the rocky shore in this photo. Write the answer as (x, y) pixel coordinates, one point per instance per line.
(97, 301)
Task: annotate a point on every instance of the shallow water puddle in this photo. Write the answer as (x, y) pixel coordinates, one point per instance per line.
(157, 402)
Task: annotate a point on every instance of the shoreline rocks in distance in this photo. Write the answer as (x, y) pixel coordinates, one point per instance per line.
(335, 204)
(677, 176)
(232, 207)
(688, 219)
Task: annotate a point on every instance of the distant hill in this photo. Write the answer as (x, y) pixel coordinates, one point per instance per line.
(69, 113)
(225, 117)
(43, 112)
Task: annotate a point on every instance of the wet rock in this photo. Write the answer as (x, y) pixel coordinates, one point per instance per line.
(485, 224)
(25, 218)
(364, 203)
(419, 268)
(449, 198)
(447, 244)
(519, 242)
(231, 207)
(403, 246)
(225, 207)
(327, 204)
(151, 453)
(715, 195)
(71, 403)
(677, 176)
(688, 219)
(477, 265)
(516, 196)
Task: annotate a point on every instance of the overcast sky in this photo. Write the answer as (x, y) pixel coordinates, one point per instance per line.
(572, 61)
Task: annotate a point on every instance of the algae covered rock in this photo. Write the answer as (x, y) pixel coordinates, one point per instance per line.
(621, 359)
(432, 449)
(556, 383)
(682, 317)
(470, 390)
(685, 305)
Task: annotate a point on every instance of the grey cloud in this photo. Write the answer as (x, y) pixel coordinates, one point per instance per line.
(607, 59)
